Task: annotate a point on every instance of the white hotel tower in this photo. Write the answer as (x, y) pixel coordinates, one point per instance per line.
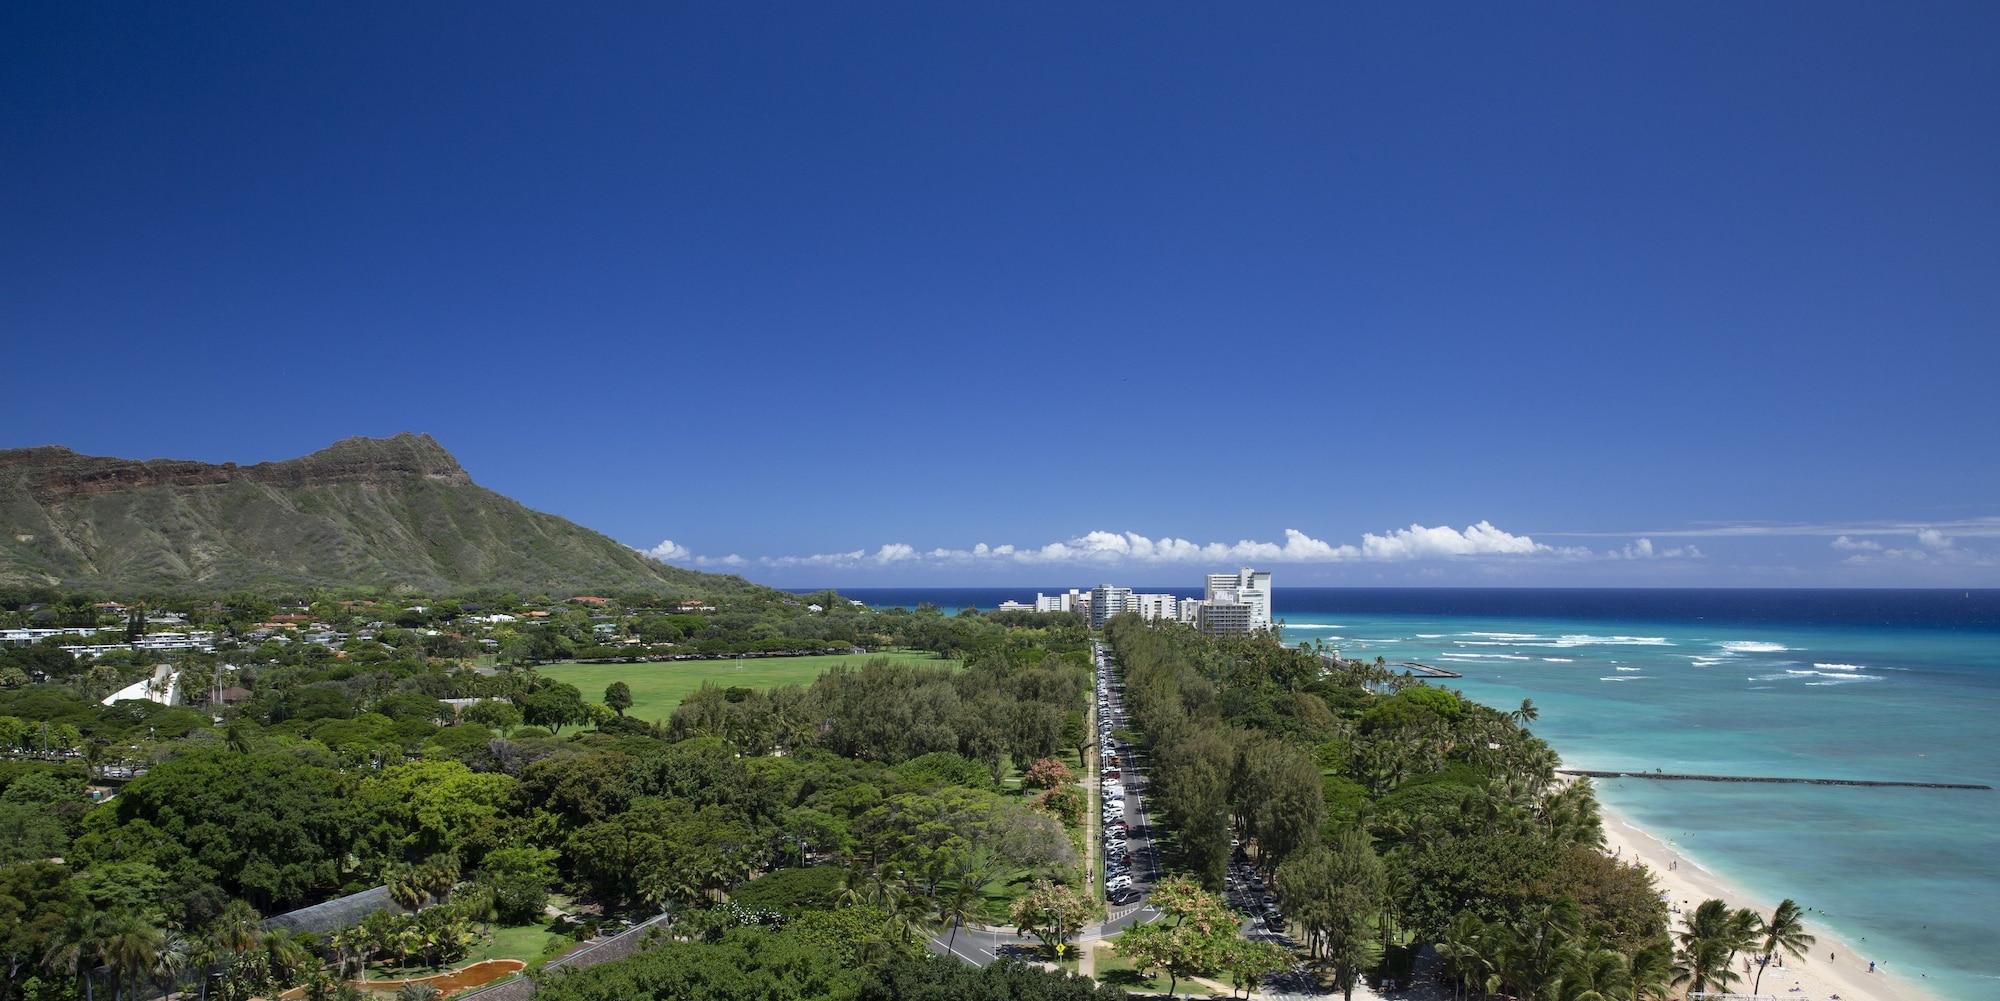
(1245, 587)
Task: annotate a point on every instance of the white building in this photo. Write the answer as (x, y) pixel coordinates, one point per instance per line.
(1069, 602)
(1107, 602)
(1010, 605)
(28, 637)
(1154, 607)
(1244, 587)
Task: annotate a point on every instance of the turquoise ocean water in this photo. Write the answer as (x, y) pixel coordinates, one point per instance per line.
(1911, 877)
(1820, 684)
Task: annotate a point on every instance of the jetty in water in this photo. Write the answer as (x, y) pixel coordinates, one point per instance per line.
(1408, 667)
(1427, 671)
(1776, 779)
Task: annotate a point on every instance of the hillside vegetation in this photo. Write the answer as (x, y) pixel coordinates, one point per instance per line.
(390, 513)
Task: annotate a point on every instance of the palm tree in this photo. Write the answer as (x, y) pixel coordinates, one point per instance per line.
(409, 939)
(75, 951)
(1653, 972)
(343, 944)
(130, 946)
(1538, 947)
(378, 935)
(1597, 975)
(1526, 714)
(235, 929)
(406, 887)
(1709, 942)
(1464, 953)
(859, 887)
(907, 914)
(437, 876)
(1786, 930)
(958, 902)
(1571, 816)
(286, 955)
(478, 902)
(203, 955)
(175, 954)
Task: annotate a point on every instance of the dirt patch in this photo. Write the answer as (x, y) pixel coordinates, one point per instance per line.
(476, 975)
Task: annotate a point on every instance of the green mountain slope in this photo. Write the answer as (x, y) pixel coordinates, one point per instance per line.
(394, 512)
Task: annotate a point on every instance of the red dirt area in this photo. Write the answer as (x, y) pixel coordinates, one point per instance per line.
(476, 975)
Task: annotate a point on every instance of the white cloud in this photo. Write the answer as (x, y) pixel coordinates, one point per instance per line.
(669, 551)
(1980, 527)
(1643, 549)
(1933, 548)
(731, 560)
(1416, 542)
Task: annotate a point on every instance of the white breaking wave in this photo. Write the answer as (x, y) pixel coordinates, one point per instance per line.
(1560, 660)
(1825, 677)
(1843, 667)
(1585, 639)
(1629, 669)
(1313, 625)
(1482, 656)
(1624, 677)
(1752, 646)
(1507, 636)
(1701, 661)
(1570, 640)
(1430, 636)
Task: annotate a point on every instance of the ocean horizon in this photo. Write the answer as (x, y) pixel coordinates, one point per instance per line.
(1894, 685)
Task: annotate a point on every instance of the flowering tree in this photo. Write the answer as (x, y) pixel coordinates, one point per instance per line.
(1048, 773)
(1051, 912)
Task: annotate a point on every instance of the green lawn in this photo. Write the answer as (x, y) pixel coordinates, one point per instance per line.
(657, 688)
(531, 944)
(1116, 970)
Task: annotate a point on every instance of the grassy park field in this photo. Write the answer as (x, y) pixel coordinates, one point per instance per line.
(658, 687)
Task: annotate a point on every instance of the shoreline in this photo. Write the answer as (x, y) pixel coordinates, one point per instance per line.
(1689, 883)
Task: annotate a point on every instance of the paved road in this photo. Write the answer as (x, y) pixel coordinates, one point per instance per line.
(1248, 893)
(980, 945)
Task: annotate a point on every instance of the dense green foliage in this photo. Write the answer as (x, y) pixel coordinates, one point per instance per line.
(1391, 814)
(804, 838)
(795, 856)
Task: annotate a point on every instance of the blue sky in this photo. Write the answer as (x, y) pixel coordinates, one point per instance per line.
(791, 281)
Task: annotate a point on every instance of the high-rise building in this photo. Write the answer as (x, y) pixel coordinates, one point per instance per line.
(1219, 618)
(1154, 607)
(1244, 587)
(1107, 602)
(1068, 602)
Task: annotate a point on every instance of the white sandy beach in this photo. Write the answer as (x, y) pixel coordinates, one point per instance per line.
(1845, 977)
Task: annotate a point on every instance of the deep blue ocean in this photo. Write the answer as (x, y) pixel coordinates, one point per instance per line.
(1900, 685)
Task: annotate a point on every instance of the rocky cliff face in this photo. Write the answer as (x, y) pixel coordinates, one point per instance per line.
(52, 472)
